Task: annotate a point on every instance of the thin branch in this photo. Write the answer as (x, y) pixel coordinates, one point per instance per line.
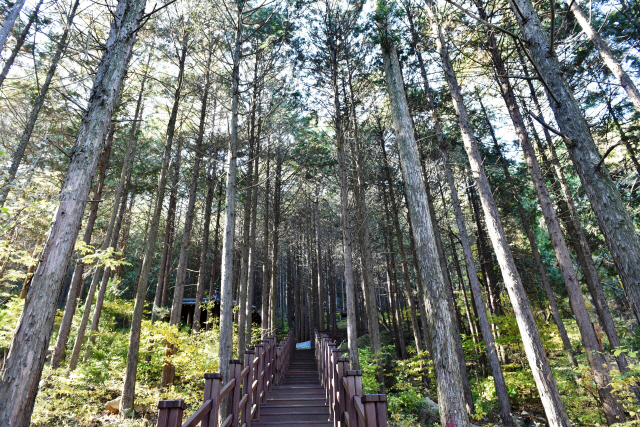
(553, 25)
(609, 150)
(535, 67)
(487, 23)
(549, 128)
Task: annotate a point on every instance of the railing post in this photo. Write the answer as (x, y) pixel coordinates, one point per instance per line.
(354, 384)
(266, 368)
(272, 372)
(235, 367)
(212, 386)
(247, 387)
(259, 368)
(340, 403)
(375, 409)
(170, 413)
(328, 356)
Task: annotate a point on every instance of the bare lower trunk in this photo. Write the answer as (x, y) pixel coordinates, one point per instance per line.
(228, 246)
(204, 251)
(266, 264)
(273, 288)
(181, 274)
(26, 358)
(441, 324)
(534, 249)
(246, 225)
(392, 287)
(252, 247)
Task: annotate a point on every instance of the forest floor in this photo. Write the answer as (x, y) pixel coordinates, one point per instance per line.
(78, 398)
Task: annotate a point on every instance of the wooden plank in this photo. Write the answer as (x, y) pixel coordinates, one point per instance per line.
(227, 421)
(227, 388)
(199, 415)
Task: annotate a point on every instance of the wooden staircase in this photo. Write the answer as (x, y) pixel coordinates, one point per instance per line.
(300, 399)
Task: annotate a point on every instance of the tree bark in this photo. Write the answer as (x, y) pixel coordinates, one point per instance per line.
(246, 225)
(252, 243)
(26, 358)
(392, 286)
(275, 253)
(350, 290)
(204, 251)
(266, 264)
(368, 285)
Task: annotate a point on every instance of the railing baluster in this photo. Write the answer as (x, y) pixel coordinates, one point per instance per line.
(235, 367)
(212, 386)
(246, 387)
(170, 413)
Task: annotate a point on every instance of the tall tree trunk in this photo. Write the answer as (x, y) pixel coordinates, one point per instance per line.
(129, 387)
(392, 286)
(204, 251)
(275, 253)
(19, 42)
(575, 231)
(216, 256)
(534, 247)
(403, 256)
(252, 242)
(344, 197)
(82, 328)
(608, 207)
(9, 21)
(597, 360)
(39, 101)
(228, 246)
(246, 225)
(543, 376)
(75, 288)
(26, 358)
(607, 56)
(164, 272)
(181, 274)
(320, 292)
(441, 324)
(368, 285)
(266, 264)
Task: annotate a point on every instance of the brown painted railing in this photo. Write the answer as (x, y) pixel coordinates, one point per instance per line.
(248, 386)
(343, 389)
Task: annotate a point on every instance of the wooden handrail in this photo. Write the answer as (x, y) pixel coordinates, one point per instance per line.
(347, 404)
(249, 383)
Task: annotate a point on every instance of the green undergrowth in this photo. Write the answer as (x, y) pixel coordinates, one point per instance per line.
(78, 398)
(408, 382)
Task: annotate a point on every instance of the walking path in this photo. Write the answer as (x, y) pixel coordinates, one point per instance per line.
(300, 399)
